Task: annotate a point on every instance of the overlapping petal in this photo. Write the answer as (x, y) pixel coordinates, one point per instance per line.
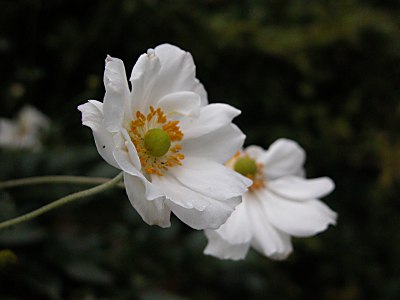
(298, 188)
(267, 239)
(237, 229)
(211, 118)
(92, 116)
(284, 157)
(212, 217)
(218, 145)
(301, 219)
(154, 212)
(117, 93)
(210, 178)
(219, 247)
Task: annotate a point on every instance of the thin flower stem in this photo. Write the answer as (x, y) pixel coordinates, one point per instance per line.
(64, 200)
(54, 180)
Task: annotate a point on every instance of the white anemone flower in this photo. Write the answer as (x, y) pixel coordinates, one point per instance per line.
(281, 203)
(169, 142)
(25, 131)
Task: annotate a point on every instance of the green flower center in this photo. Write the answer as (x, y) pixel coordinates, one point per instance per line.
(157, 142)
(246, 166)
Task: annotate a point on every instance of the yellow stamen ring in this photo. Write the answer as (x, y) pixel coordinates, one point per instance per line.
(156, 141)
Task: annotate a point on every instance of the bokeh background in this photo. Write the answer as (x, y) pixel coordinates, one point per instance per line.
(324, 73)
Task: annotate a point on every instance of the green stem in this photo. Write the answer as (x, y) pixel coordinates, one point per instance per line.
(54, 179)
(64, 200)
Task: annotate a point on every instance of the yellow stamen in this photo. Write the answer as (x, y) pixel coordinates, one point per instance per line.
(156, 162)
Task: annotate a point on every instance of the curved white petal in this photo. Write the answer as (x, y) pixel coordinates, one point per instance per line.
(92, 116)
(181, 103)
(237, 229)
(117, 93)
(212, 117)
(153, 212)
(219, 145)
(267, 239)
(181, 195)
(210, 178)
(298, 188)
(255, 152)
(301, 219)
(143, 79)
(178, 73)
(222, 249)
(133, 155)
(212, 217)
(152, 191)
(284, 157)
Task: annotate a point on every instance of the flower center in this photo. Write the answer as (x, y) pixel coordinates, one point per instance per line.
(156, 141)
(245, 166)
(248, 167)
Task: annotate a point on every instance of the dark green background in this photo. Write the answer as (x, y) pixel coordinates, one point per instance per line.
(324, 73)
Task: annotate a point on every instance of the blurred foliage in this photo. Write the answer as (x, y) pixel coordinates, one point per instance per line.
(325, 73)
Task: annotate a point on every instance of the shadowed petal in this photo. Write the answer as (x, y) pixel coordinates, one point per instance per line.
(153, 212)
(298, 188)
(301, 219)
(219, 145)
(210, 178)
(212, 117)
(267, 239)
(284, 157)
(92, 116)
(222, 249)
(117, 93)
(212, 217)
(237, 229)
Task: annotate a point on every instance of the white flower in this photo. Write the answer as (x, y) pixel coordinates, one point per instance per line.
(170, 144)
(25, 131)
(281, 203)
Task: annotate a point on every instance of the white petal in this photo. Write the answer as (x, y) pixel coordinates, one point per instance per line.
(219, 145)
(181, 103)
(117, 93)
(178, 73)
(267, 239)
(298, 188)
(284, 157)
(212, 117)
(210, 178)
(92, 116)
(181, 195)
(133, 155)
(212, 217)
(153, 212)
(144, 78)
(237, 229)
(222, 249)
(255, 152)
(152, 191)
(300, 219)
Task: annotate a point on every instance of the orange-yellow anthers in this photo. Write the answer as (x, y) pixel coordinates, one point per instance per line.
(156, 119)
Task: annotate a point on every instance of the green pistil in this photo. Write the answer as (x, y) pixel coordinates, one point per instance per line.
(157, 142)
(245, 166)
